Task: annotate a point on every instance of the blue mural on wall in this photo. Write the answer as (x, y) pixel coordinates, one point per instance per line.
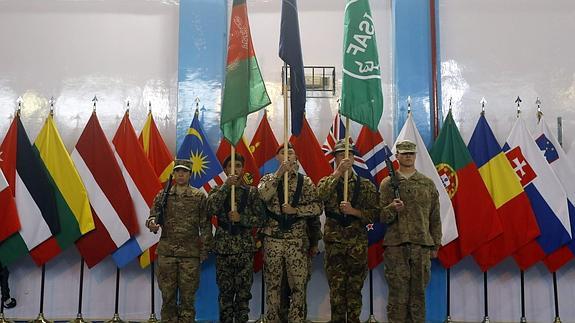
(412, 78)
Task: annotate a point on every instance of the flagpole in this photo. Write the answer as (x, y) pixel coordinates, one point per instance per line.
(448, 274)
(523, 319)
(233, 172)
(79, 318)
(371, 318)
(346, 174)
(40, 318)
(284, 81)
(116, 318)
(556, 299)
(152, 318)
(485, 302)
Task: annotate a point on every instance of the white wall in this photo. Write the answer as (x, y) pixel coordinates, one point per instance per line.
(500, 50)
(73, 50)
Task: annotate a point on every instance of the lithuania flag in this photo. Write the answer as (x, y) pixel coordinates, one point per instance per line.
(475, 212)
(74, 211)
(244, 90)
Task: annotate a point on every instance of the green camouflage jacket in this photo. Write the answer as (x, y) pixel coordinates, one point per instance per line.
(419, 222)
(187, 231)
(234, 238)
(330, 191)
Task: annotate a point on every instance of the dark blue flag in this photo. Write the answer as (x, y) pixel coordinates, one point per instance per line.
(290, 52)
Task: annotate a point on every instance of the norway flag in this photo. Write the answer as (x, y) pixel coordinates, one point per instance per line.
(544, 190)
(374, 151)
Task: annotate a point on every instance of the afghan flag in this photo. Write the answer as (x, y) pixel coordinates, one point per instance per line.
(34, 195)
(361, 97)
(475, 212)
(244, 90)
(72, 202)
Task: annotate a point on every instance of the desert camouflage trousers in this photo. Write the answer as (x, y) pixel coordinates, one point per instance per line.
(290, 255)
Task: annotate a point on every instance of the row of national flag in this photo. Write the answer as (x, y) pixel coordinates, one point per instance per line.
(514, 200)
(98, 197)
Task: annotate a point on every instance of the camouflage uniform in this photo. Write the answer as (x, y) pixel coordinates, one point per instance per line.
(234, 247)
(346, 243)
(186, 236)
(411, 235)
(314, 236)
(287, 246)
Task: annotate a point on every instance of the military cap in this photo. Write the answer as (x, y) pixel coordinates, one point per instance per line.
(281, 147)
(183, 164)
(405, 146)
(340, 146)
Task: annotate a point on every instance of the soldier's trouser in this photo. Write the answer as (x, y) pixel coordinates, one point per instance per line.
(346, 269)
(291, 255)
(178, 276)
(234, 275)
(407, 270)
(285, 293)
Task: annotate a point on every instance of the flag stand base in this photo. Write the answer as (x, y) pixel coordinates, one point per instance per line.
(116, 319)
(523, 319)
(557, 320)
(41, 319)
(261, 320)
(371, 319)
(448, 319)
(486, 319)
(3, 319)
(153, 318)
(79, 319)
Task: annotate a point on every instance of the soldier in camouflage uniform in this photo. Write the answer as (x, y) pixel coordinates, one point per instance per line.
(345, 235)
(234, 243)
(184, 243)
(412, 239)
(286, 242)
(314, 236)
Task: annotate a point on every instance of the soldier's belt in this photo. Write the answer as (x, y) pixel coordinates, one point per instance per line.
(232, 229)
(285, 222)
(341, 219)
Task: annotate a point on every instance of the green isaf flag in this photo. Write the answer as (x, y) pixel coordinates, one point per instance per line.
(244, 90)
(361, 98)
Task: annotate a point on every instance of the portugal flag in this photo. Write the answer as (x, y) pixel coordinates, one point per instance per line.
(475, 212)
(244, 91)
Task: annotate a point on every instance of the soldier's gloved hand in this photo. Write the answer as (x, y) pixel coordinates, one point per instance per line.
(343, 166)
(346, 208)
(397, 204)
(288, 209)
(232, 180)
(153, 226)
(234, 216)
